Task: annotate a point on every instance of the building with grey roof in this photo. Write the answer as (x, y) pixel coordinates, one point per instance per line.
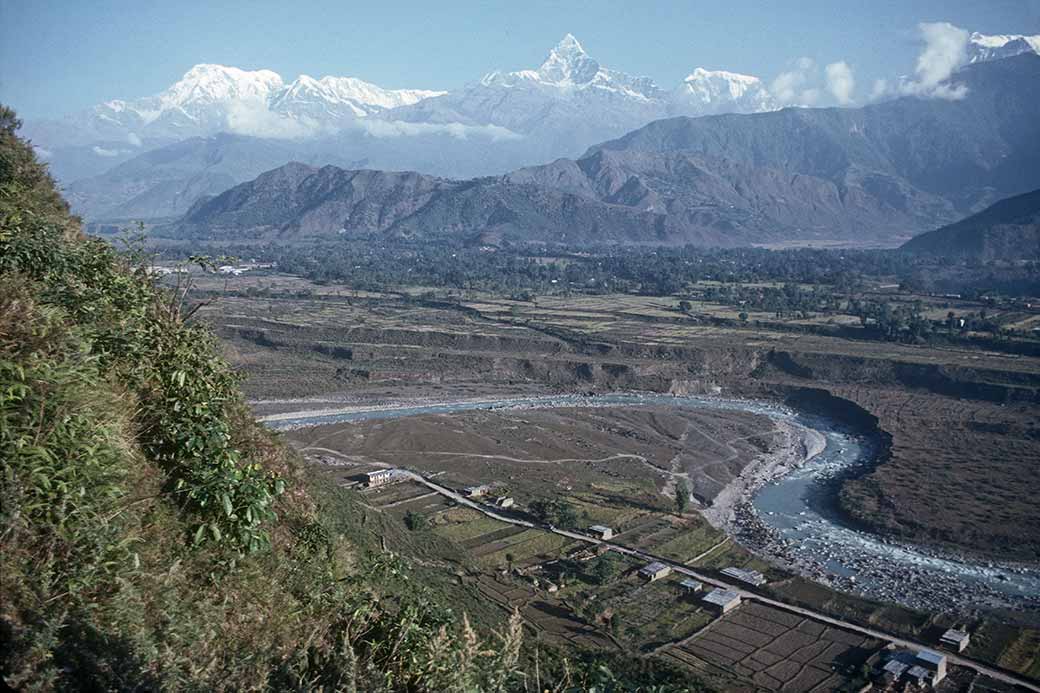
(955, 639)
(934, 662)
(745, 575)
(691, 586)
(723, 600)
(654, 571)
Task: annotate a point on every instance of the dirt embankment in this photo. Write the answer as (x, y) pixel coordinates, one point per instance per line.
(992, 385)
(959, 440)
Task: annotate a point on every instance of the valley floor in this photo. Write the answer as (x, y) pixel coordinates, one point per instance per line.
(959, 429)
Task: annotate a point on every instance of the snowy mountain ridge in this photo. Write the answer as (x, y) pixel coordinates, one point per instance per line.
(209, 97)
(567, 68)
(982, 47)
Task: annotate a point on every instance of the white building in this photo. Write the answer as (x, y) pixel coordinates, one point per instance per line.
(723, 600)
(379, 477)
(955, 639)
(601, 532)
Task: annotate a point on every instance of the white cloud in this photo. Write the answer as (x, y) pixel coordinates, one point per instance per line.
(399, 128)
(101, 151)
(945, 50)
(840, 82)
(794, 87)
(255, 119)
(809, 97)
(43, 153)
(133, 139)
(879, 90)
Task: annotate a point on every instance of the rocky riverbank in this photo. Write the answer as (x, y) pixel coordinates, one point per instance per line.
(796, 445)
(807, 536)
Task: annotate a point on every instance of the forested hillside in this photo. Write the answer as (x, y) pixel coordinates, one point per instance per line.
(152, 536)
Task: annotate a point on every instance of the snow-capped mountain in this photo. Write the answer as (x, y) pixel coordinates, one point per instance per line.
(214, 98)
(718, 91)
(569, 68)
(982, 47)
(570, 98)
(506, 120)
(335, 96)
(195, 104)
(572, 101)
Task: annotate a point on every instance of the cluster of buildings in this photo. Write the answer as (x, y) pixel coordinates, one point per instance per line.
(721, 600)
(233, 270)
(236, 270)
(925, 668)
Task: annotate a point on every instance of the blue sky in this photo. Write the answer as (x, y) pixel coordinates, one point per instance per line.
(57, 57)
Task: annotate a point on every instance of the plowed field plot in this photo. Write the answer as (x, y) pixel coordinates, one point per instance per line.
(655, 613)
(506, 592)
(775, 650)
(427, 504)
(557, 621)
(397, 493)
(460, 524)
(671, 537)
(527, 547)
(498, 535)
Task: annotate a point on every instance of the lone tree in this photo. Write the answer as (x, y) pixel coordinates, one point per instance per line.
(682, 497)
(416, 522)
(555, 512)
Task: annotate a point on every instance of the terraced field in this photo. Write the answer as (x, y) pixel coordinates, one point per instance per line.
(775, 651)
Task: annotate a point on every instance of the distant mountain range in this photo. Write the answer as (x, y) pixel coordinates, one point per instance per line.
(1008, 230)
(503, 121)
(165, 182)
(577, 102)
(877, 174)
(213, 98)
(219, 126)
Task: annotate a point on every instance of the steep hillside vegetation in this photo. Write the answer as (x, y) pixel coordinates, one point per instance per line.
(154, 537)
(1008, 230)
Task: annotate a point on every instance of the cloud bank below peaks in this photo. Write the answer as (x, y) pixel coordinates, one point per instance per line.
(945, 50)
